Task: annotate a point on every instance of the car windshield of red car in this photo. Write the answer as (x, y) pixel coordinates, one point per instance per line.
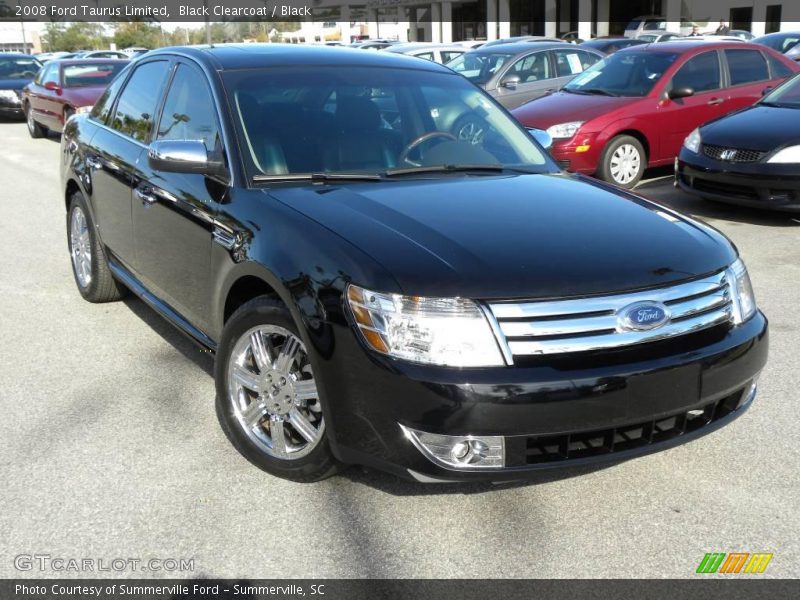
(625, 73)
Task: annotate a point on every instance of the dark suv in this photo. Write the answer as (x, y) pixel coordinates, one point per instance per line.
(392, 272)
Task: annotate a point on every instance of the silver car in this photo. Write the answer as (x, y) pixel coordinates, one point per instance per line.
(440, 53)
(518, 73)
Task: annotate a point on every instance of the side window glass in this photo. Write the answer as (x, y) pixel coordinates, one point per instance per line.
(447, 56)
(777, 68)
(571, 62)
(532, 68)
(50, 74)
(746, 66)
(701, 73)
(137, 102)
(189, 109)
(102, 107)
(425, 55)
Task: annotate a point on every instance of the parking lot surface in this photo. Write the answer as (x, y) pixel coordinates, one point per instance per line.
(110, 447)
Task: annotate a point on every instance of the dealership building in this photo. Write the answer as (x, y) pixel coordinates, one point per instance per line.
(454, 20)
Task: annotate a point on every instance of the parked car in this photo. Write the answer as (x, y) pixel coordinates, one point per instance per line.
(609, 45)
(440, 53)
(655, 38)
(519, 39)
(63, 88)
(376, 44)
(751, 157)
(517, 73)
(654, 24)
(556, 321)
(635, 108)
(572, 37)
(44, 57)
(102, 54)
(134, 51)
(16, 70)
(742, 34)
(471, 44)
(785, 42)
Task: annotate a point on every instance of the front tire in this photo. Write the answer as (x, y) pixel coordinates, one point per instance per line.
(267, 400)
(34, 129)
(623, 161)
(89, 265)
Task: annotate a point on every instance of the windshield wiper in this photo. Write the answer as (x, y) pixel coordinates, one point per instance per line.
(599, 92)
(444, 169)
(316, 177)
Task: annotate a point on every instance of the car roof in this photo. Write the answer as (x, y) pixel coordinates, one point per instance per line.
(521, 47)
(411, 46)
(687, 45)
(92, 61)
(252, 56)
(16, 55)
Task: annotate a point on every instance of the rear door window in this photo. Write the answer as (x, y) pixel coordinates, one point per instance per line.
(701, 73)
(746, 66)
(571, 62)
(778, 70)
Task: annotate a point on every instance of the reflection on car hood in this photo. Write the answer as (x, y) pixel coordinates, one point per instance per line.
(563, 107)
(13, 84)
(762, 128)
(510, 236)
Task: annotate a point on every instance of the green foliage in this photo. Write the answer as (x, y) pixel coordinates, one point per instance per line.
(78, 36)
(138, 34)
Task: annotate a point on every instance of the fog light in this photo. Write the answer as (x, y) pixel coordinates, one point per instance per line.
(462, 452)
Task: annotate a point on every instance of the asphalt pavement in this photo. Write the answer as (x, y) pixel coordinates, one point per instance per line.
(110, 448)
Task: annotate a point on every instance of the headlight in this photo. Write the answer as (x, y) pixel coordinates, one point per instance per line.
(744, 301)
(787, 155)
(9, 95)
(564, 130)
(441, 331)
(83, 109)
(693, 141)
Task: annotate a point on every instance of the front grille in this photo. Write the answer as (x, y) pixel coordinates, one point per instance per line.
(582, 324)
(563, 163)
(737, 155)
(570, 446)
(725, 189)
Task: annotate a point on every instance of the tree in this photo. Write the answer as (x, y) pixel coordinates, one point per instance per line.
(78, 36)
(138, 34)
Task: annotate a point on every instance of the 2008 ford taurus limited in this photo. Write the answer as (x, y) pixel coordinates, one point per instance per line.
(392, 272)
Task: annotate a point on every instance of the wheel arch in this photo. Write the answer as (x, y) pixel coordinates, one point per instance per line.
(637, 135)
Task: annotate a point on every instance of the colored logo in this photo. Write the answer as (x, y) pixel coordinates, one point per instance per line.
(643, 316)
(734, 562)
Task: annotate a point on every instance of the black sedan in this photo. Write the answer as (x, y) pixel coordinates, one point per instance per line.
(751, 157)
(378, 291)
(16, 71)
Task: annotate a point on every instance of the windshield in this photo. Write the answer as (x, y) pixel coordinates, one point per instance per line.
(18, 68)
(787, 95)
(88, 75)
(781, 43)
(626, 73)
(371, 121)
(479, 67)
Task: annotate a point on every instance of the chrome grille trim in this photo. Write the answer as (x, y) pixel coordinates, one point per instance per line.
(583, 324)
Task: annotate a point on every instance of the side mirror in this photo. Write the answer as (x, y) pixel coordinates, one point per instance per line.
(183, 156)
(767, 90)
(680, 92)
(540, 135)
(510, 82)
(53, 87)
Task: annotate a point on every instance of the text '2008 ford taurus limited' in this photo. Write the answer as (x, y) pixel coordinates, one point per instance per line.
(392, 272)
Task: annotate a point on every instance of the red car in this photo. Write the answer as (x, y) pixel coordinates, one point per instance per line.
(64, 87)
(634, 108)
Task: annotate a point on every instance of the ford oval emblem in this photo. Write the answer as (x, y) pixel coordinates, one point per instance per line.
(643, 316)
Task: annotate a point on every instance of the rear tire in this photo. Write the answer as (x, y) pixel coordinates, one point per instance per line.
(623, 161)
(34, 129)
(267, 402)
(89, 264)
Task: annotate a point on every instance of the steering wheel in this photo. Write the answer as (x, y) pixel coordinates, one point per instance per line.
(421, 140)
(29, 73)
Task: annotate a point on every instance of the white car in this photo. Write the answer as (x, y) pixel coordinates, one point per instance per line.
(654, 24)
(440, 53)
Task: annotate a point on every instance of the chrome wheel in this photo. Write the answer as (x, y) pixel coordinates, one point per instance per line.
(273, 393)
(625, 164)
(80, 245)
(29, 119)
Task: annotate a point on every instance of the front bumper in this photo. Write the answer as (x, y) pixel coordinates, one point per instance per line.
(11, 110)
(757, 185)
(558, 412)
(578, 154)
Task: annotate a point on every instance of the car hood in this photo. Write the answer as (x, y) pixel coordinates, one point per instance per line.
(83, 96)
(513, 236)
(13, 84)
(762, 128)
(563, 107)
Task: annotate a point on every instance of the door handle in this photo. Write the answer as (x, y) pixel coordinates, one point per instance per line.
(145, 195)
(715, 101)
(94, 163)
